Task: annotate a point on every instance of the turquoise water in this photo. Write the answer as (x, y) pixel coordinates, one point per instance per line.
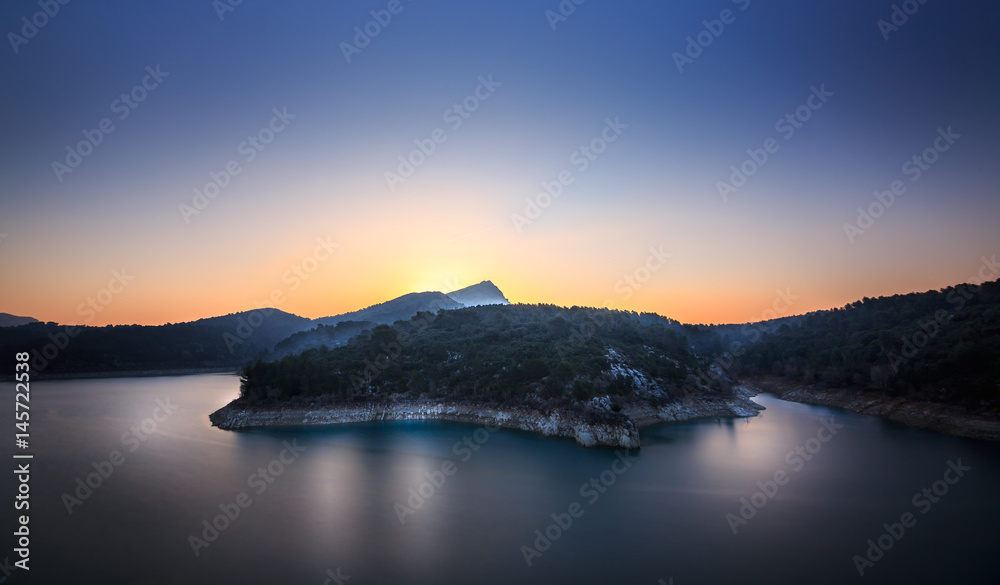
(317, 504)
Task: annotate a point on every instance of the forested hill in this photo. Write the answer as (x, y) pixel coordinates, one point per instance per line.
(536, 355)
(229, 341)
(941, 346)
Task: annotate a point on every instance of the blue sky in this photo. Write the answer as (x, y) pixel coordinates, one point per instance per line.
(450, 224)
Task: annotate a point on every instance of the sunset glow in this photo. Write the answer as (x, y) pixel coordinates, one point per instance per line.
(419, 195)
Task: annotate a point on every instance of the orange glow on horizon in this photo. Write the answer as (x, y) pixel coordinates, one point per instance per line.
(686, 306)
(451, 233)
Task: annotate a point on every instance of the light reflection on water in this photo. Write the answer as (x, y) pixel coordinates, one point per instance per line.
(334, 505)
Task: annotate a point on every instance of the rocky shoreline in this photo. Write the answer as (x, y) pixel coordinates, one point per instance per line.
(619, 430)
(931, 416)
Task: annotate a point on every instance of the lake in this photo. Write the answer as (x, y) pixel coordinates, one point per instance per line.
(791, 496)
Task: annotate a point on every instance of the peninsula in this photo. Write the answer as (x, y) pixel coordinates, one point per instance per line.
(595, 375)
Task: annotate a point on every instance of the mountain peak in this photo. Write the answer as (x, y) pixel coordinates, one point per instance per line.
(484, 293)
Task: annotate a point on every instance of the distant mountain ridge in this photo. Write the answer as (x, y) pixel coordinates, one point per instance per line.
(339, 329)
(8, 320)
(228, 341)
(404, 307)
(399, 308)
(222, 342)
(484, 293)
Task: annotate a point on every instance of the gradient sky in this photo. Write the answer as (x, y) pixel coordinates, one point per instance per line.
(450, 224)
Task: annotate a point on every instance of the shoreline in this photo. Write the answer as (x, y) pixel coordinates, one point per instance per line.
(929, 416)
(617, 430)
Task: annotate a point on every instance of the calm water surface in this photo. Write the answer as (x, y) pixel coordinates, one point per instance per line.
(334, 503)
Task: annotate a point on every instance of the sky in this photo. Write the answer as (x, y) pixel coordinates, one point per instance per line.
(163, 162)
